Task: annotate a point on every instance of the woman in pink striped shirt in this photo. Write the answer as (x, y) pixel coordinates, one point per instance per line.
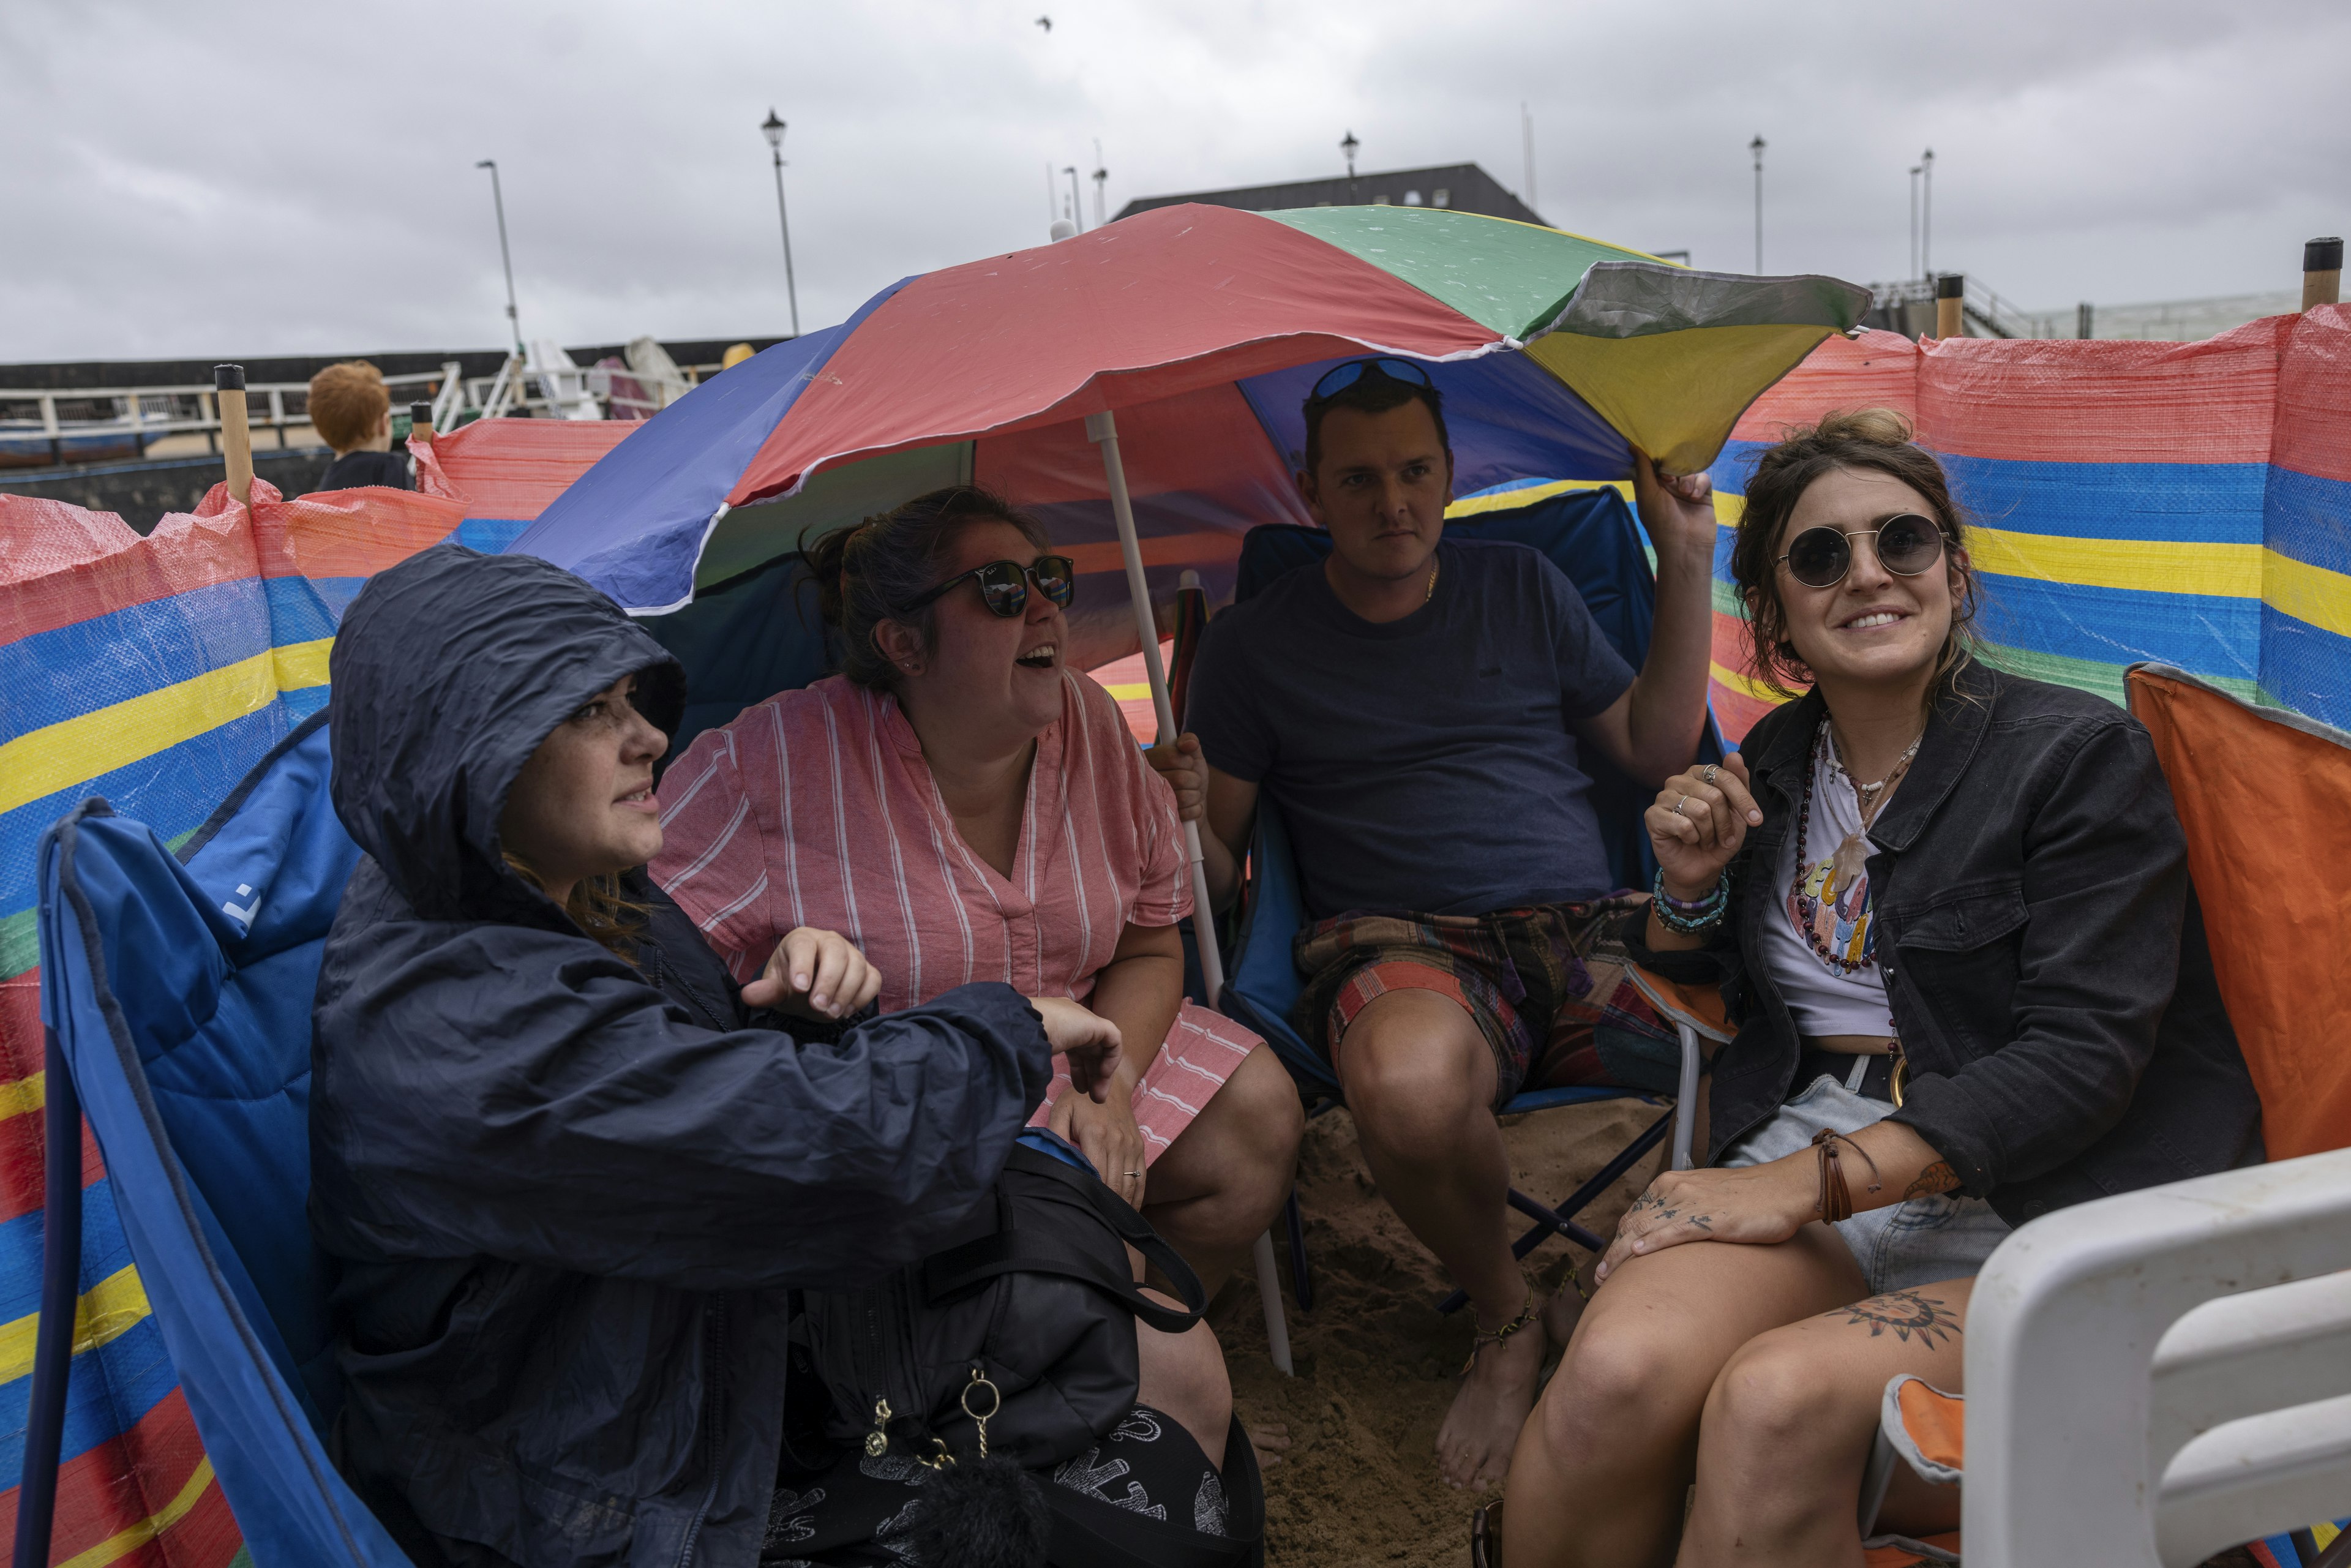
(963, 807)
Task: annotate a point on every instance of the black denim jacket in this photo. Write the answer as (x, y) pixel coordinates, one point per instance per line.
(2043, 954)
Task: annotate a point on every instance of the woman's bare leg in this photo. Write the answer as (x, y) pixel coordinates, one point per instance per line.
(1183, 1378)
(1605, 1461)
(1789, 1424)
(1222, 1181)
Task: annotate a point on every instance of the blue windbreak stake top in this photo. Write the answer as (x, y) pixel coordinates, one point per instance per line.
(567, 1194)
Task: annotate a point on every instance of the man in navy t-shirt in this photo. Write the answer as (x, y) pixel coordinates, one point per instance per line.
(1416, 708)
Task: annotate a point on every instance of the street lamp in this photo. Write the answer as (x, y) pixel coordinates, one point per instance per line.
(1348, 147)
(1076, 211)
(1100, 177)
(1927, 219)
(506, 257)
(773, 130)
(1916, 170)
(1756, 147)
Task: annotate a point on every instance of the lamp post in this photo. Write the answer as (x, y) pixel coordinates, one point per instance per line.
(1926, 216)
(1756, 147)
(1916, 170)
(1077, 207)
(1100, 177)
(1348, 147)
(506, 257)
(773, 130)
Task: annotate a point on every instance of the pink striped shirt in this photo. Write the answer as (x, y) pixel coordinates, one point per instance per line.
(816, 807)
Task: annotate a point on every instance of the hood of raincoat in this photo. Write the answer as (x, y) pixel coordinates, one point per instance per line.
(448, 671)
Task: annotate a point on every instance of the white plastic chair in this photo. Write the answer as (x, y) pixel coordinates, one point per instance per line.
(2158, 1376)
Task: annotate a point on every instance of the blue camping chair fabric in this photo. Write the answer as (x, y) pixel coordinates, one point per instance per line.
(176, 999)
(1593, 536)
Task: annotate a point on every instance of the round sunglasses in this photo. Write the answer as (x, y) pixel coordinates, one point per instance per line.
(1907, 545)
(1004, 584)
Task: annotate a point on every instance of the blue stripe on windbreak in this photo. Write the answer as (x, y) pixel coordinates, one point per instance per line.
(2309, 518)
(2306, 668)
(300, 612)
(111, 1388)
(69, 671)
(104, 1252)
(490, 534)
(2203, 635)
(2185, 503)
(2177, 503)
(173, 791)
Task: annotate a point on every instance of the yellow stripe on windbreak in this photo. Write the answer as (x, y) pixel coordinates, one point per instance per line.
(27, 1094)
(2310, 594)
(76, 750)
(107, 1311)
(2144, 566)
(1137, 692)
(115, 1548)
(1744, 685)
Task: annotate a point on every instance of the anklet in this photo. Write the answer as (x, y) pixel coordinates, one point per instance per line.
(1480, 1338)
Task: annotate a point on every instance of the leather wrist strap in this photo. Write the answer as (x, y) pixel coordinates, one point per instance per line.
(1836, 1201)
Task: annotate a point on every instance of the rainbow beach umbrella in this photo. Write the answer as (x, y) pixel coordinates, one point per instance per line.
(1192, 332)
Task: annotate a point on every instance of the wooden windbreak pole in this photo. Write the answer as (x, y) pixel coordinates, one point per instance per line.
(1950, 292)
(236, 436)
(2322, 271)
(420, 423)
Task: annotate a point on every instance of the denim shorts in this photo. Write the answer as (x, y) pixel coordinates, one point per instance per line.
(1904, 1245)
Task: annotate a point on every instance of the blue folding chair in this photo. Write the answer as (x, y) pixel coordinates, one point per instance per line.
(1593, 536)
(176, 1000)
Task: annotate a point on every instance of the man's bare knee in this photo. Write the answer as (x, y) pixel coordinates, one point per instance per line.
(1413, 1066)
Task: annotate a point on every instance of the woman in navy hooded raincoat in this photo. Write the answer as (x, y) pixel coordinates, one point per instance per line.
(565, 1189)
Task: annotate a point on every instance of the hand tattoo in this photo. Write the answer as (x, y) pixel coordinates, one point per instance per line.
(1905, 1313)
(1936, 1177)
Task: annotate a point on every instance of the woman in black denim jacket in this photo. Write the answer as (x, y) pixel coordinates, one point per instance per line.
(1974, 988)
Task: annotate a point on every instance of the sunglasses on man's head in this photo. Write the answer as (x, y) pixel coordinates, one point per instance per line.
(1004, 584)
(1907, 546)
(1340, 377)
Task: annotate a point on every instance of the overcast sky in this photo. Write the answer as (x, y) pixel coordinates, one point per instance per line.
(242, 177)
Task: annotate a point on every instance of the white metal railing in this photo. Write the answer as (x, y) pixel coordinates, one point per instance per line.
(144, 414)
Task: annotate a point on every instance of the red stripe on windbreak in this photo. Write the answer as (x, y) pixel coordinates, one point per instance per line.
(126, 1478)
(2072, 400)
(350, 533)
(22, 1140)
(182, 554)
(1165, 302)
(2314, 434)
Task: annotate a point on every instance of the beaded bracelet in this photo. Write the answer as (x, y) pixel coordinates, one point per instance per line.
(1690, 917)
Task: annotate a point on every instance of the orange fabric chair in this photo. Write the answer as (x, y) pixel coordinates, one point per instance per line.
(2265, 797)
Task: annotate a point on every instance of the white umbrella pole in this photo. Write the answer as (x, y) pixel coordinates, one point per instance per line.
(1102, 429)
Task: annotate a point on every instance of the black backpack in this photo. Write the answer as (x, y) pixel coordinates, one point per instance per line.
(1017, 1341)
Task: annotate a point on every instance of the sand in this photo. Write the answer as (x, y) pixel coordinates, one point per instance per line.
(1376, 1362)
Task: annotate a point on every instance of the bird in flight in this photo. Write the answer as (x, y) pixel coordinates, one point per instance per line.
(1046, 23)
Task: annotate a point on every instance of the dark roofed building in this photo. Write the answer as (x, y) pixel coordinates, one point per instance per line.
(1464, 187)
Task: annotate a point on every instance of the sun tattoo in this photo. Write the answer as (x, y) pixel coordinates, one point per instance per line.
(1906, 1312)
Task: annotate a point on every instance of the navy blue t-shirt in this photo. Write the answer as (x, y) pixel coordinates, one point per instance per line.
(1425, 764)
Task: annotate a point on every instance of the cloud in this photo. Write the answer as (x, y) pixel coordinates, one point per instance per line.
(252, 177)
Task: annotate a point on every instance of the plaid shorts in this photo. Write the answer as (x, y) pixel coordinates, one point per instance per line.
(1541, 983)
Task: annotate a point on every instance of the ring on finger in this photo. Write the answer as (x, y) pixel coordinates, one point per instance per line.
(1709, 772)
(1678, 803)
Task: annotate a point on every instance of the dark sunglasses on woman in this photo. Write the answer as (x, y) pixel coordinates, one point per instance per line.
(1340, 377)
(1907, 546)
(1004, 584)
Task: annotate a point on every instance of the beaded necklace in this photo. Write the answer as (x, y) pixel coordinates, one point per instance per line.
(1850, 862)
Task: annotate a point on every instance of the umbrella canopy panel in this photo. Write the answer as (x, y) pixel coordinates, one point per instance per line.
(1201, 328)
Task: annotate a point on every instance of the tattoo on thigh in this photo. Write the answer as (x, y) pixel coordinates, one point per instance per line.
(1906, 1312)
(1936, 1177)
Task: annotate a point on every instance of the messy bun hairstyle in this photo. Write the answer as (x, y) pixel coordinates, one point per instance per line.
(1877, 439)
(863, 573)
